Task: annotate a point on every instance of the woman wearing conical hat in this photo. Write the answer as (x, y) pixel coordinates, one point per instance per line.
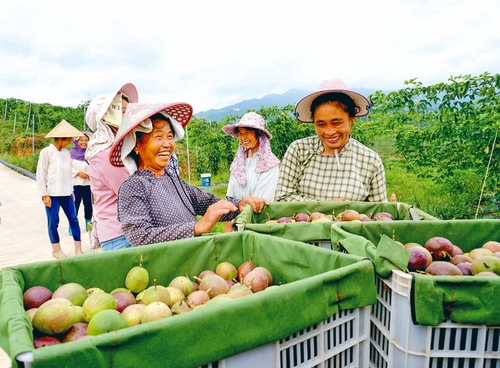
(55, 184)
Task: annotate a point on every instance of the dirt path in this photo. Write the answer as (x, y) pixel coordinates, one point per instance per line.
(23, 233)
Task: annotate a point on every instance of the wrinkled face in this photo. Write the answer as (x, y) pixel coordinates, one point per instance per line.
(333, 126)
(248, 138)
(83, 141)
(156, 148)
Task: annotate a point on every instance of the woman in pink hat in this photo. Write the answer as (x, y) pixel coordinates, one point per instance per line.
(154, 204)
(104, 116)
(331, 165)
(255, 168)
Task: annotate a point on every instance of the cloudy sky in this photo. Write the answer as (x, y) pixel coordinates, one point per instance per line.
(214, 53)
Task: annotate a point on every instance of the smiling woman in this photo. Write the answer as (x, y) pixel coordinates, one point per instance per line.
(331, 165)
(154, 204)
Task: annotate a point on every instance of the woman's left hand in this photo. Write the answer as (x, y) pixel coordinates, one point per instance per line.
(257, 203)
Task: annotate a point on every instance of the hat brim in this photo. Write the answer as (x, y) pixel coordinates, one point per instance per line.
(302, 109)
(231, 130)
(128, 88)
(181, 112)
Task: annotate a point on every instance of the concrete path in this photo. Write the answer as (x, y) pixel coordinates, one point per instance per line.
(23, 232)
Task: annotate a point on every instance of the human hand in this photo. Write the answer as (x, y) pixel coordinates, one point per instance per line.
(212, 216)
(341, 199)
(257, 203)
(47, 201)
(82, 175)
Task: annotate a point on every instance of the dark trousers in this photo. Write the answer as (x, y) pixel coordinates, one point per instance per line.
(83, 194)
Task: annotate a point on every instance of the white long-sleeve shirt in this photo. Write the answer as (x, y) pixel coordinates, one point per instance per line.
(260, 185)
(53, 172)
(79, 166)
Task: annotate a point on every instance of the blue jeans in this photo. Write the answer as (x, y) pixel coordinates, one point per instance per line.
(68, 205)
(120, 242)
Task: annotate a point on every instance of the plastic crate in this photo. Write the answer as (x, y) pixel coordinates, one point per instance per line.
(310, 319)
(340, 341)
(395, 342)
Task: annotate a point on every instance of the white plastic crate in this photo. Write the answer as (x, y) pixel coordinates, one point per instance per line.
(340, 341)
(395, 342)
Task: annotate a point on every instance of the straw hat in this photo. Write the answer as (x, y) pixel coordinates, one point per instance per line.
(135, 119)
(249, 120)
(64, 130)
(303, 107)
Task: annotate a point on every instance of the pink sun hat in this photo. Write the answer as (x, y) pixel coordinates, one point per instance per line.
(248, 120)
(302, 109)
(136, 119)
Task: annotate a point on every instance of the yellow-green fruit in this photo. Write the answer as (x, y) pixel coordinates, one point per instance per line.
(106, 321)
(486, 264)
(137, 278)
(97, 302)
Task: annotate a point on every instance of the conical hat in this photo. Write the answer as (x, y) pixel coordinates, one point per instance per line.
(64, 130)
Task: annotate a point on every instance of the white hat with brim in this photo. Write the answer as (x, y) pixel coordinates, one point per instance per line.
(64, 130)
(303, 108)
(249, 120)
(100, 105)
(136, 119)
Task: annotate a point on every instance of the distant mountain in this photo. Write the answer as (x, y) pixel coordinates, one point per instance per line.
(290, 97)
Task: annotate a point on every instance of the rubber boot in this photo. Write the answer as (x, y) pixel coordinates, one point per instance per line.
(78, 247)
(57, 251)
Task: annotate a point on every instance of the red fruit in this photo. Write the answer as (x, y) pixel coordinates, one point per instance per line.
(443, 268)
(35, 296)
(284, 220)
(456, 251)
(266, 273)
(418, 259)
(256, 281)
(383, 216)
(40, 342)
(245, 268)
(302, 217)
(440, 248)
(465, 267)
(75, 332)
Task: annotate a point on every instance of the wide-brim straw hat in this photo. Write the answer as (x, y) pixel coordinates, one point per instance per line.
(249, 120)
(179, 112)
(100, 105)
(303, 107)
(64, 130)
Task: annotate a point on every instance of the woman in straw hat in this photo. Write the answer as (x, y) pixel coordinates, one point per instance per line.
(55, 184)
(154, 204)
(255, 168)
(104, 116)
(331, 165)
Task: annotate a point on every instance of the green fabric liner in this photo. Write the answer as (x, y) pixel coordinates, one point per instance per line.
(387, 255)
(435, 299)
(309, 232)
(316, 283)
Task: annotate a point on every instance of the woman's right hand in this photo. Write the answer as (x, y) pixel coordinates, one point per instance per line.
(47, 201)
(212, 216)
